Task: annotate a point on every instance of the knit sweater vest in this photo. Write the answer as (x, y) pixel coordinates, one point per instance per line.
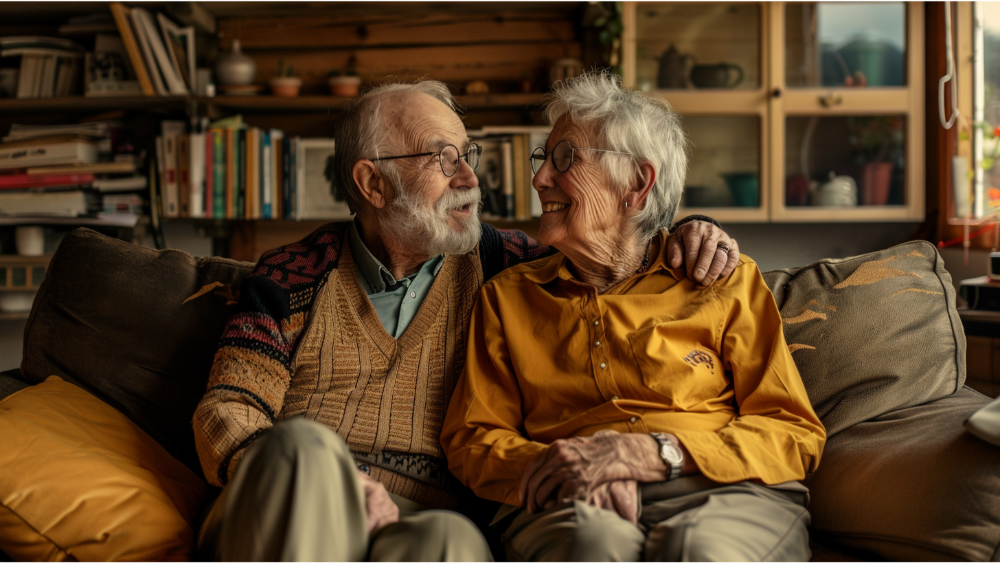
(387, 397)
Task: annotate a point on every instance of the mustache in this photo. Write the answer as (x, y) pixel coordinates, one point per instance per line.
(453, 199)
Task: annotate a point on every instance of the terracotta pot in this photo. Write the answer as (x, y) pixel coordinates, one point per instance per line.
(344, 85)
(287, 86)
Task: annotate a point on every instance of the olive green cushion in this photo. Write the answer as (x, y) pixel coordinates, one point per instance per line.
(873, 333)
(911, 485)
(135, 327)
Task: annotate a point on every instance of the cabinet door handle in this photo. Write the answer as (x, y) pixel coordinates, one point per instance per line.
(830, 100)
(776, 93)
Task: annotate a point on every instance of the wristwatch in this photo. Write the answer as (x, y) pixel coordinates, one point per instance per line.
(670, 453)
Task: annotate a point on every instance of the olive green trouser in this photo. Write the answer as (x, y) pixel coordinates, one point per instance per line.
(296, 496)
(689, 519)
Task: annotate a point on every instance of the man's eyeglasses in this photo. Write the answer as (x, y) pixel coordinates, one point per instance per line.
(562, 156)
(448, 158)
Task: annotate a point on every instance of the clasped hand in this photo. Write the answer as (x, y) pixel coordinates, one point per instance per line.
(603, 470)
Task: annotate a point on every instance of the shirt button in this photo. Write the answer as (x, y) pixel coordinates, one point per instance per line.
(597, 323)
(602, 366)
(632, 419)
(598, 343)
(615, 398)
(413, 295)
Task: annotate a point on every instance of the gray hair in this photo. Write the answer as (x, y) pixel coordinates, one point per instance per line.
(361, 134)
(645, 127)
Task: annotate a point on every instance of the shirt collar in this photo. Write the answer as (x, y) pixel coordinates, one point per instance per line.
(557, 265)
(374, 272)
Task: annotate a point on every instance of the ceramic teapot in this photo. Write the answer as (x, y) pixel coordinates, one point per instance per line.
(716, 76)
(839, 191)
(674, 68)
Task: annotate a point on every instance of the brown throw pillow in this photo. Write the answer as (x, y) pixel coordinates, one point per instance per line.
(874, 333)
(135, 327)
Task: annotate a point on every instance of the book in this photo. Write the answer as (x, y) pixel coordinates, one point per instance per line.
(239, 166)
(22, 132)
(31, 68)
(209, 208)
(127, 184)
(123, 167)
(231, 180)
(47, 84)
(251, 157)
(88, 25)
(25, 181)
(152, 35)
(180, 44)
(277, 197)
(183, 175)
(156, 182)
(123, 22)
(122, 203)
(171, 130)
(266, 176)
(286, 177)
(219, 171)
(149, 59)
(70, 203)
(50, 151)
(196, 170)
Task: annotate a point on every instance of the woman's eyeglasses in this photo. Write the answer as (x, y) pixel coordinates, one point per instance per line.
(562, 156)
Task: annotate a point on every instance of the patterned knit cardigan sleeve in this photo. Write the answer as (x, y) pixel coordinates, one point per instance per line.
(252, 367)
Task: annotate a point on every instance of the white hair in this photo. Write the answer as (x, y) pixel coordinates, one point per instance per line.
(643, 127)
(362, 133)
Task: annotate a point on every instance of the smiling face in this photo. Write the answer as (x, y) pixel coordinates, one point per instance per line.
(581, 210)
(431, 209)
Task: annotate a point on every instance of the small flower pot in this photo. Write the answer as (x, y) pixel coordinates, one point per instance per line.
(344, 85)
(286, 86)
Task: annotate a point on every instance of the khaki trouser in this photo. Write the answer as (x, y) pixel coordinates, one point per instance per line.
(296, 496)
(689, 519)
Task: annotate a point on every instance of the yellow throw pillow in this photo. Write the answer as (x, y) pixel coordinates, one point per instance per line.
(79, 480)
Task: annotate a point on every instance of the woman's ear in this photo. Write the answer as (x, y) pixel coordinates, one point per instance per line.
(370, 183)
(643, 182)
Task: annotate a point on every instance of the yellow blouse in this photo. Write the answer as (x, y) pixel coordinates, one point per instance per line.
(550, 358)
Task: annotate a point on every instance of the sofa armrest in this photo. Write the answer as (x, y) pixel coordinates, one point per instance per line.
(13, 372)
(10, 383)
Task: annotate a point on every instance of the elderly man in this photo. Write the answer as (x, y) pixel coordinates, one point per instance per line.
(325, 402)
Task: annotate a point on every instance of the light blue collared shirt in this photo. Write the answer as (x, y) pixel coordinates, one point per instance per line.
(396, 301)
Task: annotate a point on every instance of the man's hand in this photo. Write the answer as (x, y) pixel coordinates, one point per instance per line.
(618, 496)
(381, 510)
(699, 245)
(574, 468)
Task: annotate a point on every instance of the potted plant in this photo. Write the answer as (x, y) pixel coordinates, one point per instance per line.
(344, 83)
(286, 84)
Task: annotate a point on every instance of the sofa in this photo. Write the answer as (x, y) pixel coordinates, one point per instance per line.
(98, 459)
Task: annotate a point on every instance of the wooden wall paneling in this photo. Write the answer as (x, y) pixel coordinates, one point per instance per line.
(383, 31)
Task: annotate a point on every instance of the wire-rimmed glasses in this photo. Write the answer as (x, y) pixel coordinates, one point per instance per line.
(562, 156)
(448, 158)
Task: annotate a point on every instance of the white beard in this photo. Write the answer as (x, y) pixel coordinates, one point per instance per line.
(415, 222)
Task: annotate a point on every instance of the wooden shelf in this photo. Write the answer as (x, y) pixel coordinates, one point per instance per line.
(14, 316)
(307, 104)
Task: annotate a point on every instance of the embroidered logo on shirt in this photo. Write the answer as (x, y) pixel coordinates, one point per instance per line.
(696, 357)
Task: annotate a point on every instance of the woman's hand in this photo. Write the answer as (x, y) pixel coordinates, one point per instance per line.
(576, 467)
(618, 496)
(699, 245)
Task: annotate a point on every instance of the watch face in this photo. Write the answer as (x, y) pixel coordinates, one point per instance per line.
(672, 453)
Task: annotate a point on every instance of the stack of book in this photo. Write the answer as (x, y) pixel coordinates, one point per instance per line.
(162, 54)
(49, 66)
(230, 170)
(66, 170)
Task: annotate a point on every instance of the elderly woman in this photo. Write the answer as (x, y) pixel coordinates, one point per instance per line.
(629, 412)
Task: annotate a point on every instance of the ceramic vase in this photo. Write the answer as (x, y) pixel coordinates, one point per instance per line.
(234, 68)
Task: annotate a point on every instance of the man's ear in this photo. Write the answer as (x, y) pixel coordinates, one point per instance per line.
(370, 183)
(641, 184)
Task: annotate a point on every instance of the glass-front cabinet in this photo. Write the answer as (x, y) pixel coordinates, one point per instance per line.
(808, 111)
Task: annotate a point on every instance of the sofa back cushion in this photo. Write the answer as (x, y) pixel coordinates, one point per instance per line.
(874, 333)
(135, 327)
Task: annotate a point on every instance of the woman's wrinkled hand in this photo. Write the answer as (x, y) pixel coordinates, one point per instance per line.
(699, 245)
(575, 468)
